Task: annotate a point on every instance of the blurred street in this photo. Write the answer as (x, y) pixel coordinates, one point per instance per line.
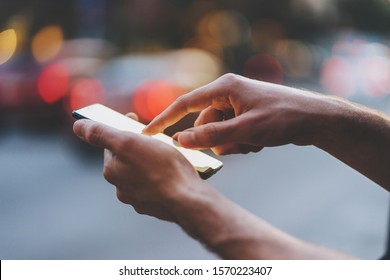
(55, 204)
(139, 56)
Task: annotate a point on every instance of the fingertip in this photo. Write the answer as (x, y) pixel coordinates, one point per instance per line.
(78, 127)
(150, 129)
(147, 131)
(175, 136)
(133, 116)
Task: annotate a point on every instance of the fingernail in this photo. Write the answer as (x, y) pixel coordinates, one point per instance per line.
(77, 127)
(147, 131)
(187, 139)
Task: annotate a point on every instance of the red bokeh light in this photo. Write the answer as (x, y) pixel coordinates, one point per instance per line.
(264, 67)
(152, 97)
(53, 83)
(86, 92)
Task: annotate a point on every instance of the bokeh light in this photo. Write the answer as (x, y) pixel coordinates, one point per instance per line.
(376, 82)
(264, 67)
(87, 48)
(53, 83)
(206, 43)
(140, 55)
(357, 65)
(296, 58)
(192, 68)
(152, 97)
(86, 92)
(337, 76)
(8, 43)
(47, 43)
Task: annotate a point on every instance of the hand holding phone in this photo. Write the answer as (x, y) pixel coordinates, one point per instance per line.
(205, 165)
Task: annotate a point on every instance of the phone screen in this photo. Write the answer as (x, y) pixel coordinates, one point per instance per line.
(203, 163)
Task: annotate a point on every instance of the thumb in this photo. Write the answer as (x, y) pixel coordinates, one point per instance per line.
(210, 135)
(96, 134)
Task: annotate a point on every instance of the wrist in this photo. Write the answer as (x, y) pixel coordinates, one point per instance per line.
(359, 137)
(341, 121)
(224, 227)
(205, 214)
(328, 120)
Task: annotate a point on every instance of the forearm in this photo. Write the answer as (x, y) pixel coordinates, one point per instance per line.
(233, 233)
(358, 136)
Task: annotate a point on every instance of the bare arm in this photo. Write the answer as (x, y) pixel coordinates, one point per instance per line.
(233, 233)
(239, 115)
(360, 137)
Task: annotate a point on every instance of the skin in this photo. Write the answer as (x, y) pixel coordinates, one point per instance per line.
(237, 115)
(261, 115)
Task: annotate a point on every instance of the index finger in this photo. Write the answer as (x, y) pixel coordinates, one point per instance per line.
(193, 101)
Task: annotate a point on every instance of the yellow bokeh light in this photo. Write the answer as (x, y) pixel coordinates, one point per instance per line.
(47, 43)
(193, 68)
(8, 43)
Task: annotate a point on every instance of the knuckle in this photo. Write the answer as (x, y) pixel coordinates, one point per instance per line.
(211, 135)
(123, 144)
(140, 210)
(182, 101)
(227, 84)
(93, 134)
(122, 197)
(138, 206)
(256, 149)
(109, 174)
(230, 79)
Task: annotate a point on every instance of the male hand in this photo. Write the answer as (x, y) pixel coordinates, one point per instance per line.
(240, 115)
(148, 174)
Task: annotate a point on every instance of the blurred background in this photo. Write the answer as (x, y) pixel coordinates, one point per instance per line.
(133, 55)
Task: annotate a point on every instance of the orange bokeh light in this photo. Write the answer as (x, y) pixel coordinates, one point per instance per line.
(152, 97)
(86, 92)
(53, 83)
(47, 43)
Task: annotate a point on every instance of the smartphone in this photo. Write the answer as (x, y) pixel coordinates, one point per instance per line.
(204, 164)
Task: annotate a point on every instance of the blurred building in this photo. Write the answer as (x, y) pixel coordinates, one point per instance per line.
(298, 42)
